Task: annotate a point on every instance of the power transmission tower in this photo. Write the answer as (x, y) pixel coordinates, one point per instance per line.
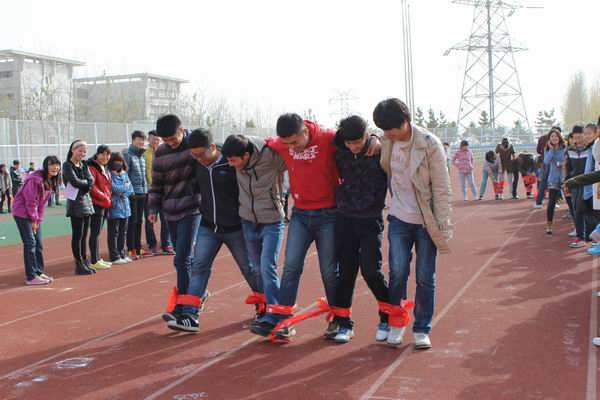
(491, 82)
(343, 98)
(409, 89)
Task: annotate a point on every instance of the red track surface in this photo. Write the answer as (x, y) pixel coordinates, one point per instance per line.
(514, 314)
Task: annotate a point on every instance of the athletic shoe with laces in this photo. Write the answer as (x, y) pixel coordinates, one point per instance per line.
(120, 261)
(594, 250)
(144, 254)
(263, 328)
(596, 341)
(286, 333)
(395, 336)
(421, 340)
(184, 323)
(127, 259)
(156, 251)
(577, 243)
(105, 262)
(344, 335)
(98, 266)
(133, 255)
(573, 233)
(168, 251)
(46, 277)
(537, 206)
(331, 331)
(37, 280)
(383, 329)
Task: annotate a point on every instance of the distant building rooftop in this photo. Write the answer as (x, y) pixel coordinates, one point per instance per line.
(127, 78)
(4, 54)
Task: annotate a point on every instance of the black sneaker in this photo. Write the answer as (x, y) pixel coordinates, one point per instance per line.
(263, 328)
(331, 331)
(206, 295)
(184, 323)
(285, 333)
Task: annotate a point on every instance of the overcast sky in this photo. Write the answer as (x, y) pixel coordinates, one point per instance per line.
(293, 55)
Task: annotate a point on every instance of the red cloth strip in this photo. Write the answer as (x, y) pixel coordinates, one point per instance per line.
(172, 299)
(399, 315)
(259, 299)
(189, 300)
(280, 309)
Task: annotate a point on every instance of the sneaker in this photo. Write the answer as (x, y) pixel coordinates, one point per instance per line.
(170, 316)
(529, 196)
(577, 243)
(263, 328)
(596, 341)
(204, 297)
(120, 261)
(421, 341)
(515, 197)
(184, 323)
(37, 280)
(155, 251)
(331, 331)
(144, 254)
(46, 277)
(133, 255)
(594, 250)
(344, 335)
(537, 206)
(286, 333)
(105, 262)
(88, 265)
(480, 198)
(168, 251)
(127, 259)
(465, 199)
(99, 266)
(383, 329)
(573, 233)
(395, 336)
(497, 197)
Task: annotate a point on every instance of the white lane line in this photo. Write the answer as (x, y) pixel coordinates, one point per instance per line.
(592, 349)
(392, 368)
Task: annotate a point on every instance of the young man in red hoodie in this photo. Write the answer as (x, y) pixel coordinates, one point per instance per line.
(309, 153)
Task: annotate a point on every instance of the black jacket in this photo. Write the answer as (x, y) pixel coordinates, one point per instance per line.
(363, 182)
(80, 178)
(525, 163)
(218, 187)
(16, 178)
(172, 190)
(574, 162)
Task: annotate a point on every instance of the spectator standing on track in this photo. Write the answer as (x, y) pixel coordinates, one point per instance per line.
(463, 160)
(16, 177)
(136, 167)
(259, 173)
(172, 193)
(120, 211)
(79, 203)
(448, 153)
(492, 169)
(101, 193)
(31, 168)
(419, 216)
(507, 154)
(166, 247)
(28, 212)
(5, 189)
(553, 159)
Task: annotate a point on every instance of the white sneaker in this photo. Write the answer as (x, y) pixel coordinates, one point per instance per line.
(573, 234)
(120, 261)
(105, 262)
(383, 329)
(422, 341)
(395, 336)
(465, 198)
(128, 260)
(596, 341)
(537, 206)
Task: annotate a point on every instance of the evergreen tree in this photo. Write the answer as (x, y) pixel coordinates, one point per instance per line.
(432, 121)
(484, 120)
(419, 118)
(442, 123)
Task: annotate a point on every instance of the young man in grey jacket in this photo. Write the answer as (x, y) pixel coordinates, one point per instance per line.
(260, 174)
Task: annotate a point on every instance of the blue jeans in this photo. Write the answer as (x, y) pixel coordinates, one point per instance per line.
(263, 243)
(32, 247)
(543, 183)
(484, 178)
(208, 244)
(183, 234)
(305, 227)
(402, 238)
(464, 178)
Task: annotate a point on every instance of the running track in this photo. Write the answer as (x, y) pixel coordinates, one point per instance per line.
(515, 312)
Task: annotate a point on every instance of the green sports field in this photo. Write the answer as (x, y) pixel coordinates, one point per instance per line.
(55, 224)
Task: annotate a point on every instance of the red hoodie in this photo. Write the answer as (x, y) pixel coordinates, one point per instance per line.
(101, 191)
(313, 172)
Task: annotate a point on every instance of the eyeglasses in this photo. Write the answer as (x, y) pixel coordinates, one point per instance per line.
(198, 156)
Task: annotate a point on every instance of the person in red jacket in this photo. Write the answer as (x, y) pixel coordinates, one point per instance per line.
(102, 200)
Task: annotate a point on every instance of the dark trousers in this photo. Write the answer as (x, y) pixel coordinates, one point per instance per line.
(358, 245)
(32, 247)
(96, 223)
(515, 183)
(552, 199)
(134, 231)
(165, 238)
(117, 231)
(5, 196)
(584, 224)
(80, 227)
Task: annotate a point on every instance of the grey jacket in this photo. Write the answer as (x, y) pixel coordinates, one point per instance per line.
(260, 185)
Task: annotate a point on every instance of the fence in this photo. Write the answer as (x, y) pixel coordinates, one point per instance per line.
(31, 141)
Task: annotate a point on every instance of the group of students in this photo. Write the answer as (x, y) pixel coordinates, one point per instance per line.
(211, 194)
(10, 182)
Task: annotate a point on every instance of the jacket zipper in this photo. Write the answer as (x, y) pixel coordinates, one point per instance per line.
(212, 191)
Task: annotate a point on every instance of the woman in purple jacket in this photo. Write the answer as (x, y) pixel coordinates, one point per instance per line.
(28, 211)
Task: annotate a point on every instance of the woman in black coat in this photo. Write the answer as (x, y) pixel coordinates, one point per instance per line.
(78, 182)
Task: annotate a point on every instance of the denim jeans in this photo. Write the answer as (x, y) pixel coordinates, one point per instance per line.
(543, 182)
(402, 238)
(32, 247)
(584, 224)
(464, 178)
(183, 234)
(484, 178)
(208, 244)
(263, 243)
(305, 227)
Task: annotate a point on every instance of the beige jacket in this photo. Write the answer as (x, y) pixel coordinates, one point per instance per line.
(431, 183)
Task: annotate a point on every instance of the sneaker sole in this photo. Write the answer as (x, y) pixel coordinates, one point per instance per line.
(394, 344)
(344, 340)
(422, 346)
(168, 317)
(183, 328)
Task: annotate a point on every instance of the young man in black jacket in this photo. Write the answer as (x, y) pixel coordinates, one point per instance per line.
(216, 182)
(359, 221)
(16, 177)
